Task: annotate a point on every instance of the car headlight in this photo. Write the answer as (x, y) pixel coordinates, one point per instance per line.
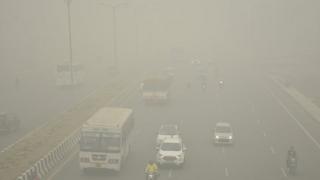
(230, 137)
(217, 137)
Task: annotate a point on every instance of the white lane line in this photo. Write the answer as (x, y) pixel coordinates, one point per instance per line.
(272, 150)
(306, 132)
(284, 172)
(264, 134)
(226, 172)
(170, 174)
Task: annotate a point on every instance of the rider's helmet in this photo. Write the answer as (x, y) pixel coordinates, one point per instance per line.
(291, 151)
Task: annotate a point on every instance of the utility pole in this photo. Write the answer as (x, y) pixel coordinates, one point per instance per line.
(68, 2)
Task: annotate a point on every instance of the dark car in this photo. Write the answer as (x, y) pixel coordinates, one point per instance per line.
(9, 122)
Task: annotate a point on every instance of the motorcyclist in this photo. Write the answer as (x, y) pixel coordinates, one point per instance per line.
(204, 85)
(220, 83)
(292, 153)
(151, 168)
(291, 157)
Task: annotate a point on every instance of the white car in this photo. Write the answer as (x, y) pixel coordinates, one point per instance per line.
(167, 131)
(223, 133)
(196, 62)
(171, 151)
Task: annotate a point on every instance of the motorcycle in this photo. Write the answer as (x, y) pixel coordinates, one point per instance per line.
(204, 86)
(152, 176)
(220, 84)
(292, 165)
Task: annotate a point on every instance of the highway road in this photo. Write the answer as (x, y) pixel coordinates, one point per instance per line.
(265, 120)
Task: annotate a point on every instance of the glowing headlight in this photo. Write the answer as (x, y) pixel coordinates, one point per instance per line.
(217, 137)
(230, 137)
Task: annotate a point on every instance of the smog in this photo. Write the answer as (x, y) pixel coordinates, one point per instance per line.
(156, 90)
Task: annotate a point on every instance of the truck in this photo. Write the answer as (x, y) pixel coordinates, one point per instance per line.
(156, 90)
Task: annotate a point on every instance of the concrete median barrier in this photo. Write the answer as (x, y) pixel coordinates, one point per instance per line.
(42, 167)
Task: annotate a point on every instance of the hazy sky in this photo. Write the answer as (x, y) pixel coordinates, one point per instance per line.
(36, 30)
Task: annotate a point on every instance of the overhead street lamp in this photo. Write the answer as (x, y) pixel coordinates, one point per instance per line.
(68, 2)
(114, 7)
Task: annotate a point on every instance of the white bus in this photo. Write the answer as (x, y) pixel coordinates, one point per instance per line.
(105, 139)
(64, 76)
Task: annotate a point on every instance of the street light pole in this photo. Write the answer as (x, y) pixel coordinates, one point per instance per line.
(68, 2)
(115, 39)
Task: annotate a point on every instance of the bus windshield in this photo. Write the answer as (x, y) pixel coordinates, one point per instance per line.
(100, 142)
(110, 143)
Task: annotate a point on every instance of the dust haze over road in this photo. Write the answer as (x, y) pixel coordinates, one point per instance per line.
(250, 45)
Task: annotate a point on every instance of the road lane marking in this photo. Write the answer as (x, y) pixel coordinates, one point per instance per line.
(272, 150)
(284, 172)
(226, 172)
(306, 132)
(264, 134)
(301, 126)
(170, 174)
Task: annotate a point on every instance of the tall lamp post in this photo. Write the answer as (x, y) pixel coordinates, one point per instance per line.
(68, 2)
(115, 39)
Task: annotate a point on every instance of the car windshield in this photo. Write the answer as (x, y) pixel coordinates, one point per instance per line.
(223, 129)
(168, 130)
(171, 147)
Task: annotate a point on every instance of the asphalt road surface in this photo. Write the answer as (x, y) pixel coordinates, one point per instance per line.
(264, 119)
